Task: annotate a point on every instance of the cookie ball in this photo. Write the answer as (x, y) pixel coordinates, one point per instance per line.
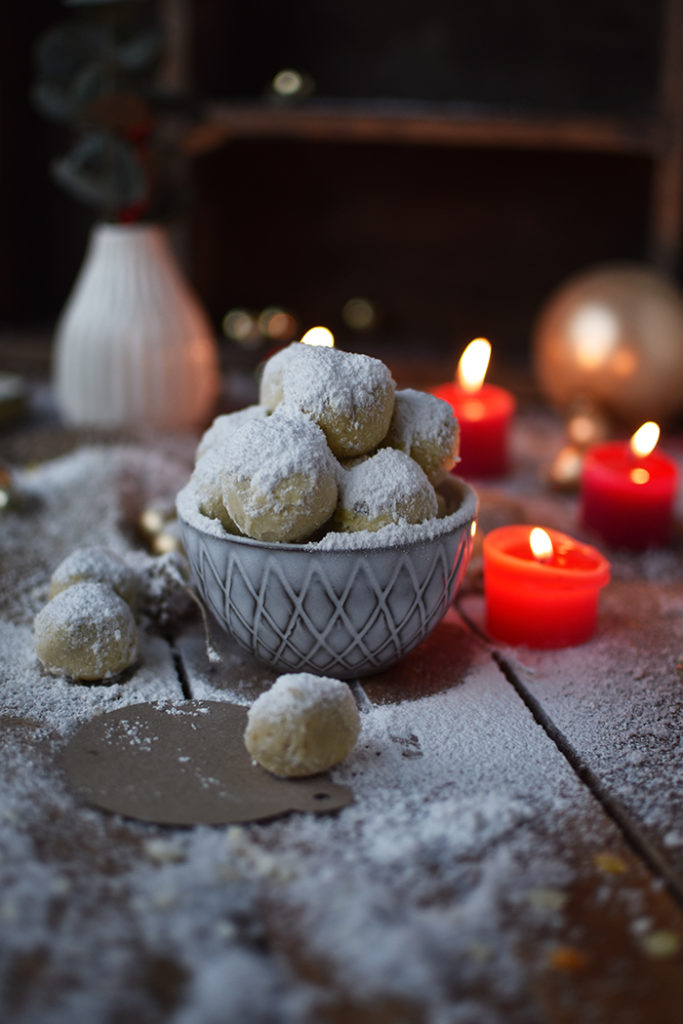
(96, 565)
(424, 427)
(86, 632)
(303, 725)
(280, 478)
(389, 487)
(270, 384)
(207, 479)
(165, 597)
(224, 426)
(349, 396)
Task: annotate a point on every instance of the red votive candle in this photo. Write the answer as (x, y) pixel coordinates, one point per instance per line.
(484, 417)
(547, 600)
(627, 496)
(483, 411)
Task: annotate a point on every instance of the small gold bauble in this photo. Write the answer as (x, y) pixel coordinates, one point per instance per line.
(159, 528)
(613, 335)
(586, 425)
(565, 472)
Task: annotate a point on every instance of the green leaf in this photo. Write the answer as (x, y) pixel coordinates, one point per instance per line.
(61, 53)
(102, 171)
(141, 52)
(92, 81)
(53, 101)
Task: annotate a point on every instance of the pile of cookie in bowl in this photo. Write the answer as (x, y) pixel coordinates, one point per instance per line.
(324, 527)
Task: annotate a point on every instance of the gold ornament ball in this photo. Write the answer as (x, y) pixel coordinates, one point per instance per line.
(613, 335)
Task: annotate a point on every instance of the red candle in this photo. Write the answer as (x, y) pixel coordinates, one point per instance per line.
(483, 412)
(543, 599)
(628, 491)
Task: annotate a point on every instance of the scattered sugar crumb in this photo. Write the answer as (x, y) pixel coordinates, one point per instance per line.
(429, 878)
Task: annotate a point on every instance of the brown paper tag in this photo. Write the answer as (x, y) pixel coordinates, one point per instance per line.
(185, 764)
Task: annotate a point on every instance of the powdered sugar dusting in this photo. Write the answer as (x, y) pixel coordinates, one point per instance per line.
(87, 631)
(417, 902)
(462, 509)
(266, 452)
(223, 427)
(388, 482)
(627, 675)
(418, 414)
(302, 725)
(319, 378)
(79, 500)
(90, 497)
(270, 384)
(299, 691)
(95, 565)
(58, 703)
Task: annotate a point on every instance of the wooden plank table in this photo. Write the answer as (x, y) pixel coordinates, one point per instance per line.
(514, 851)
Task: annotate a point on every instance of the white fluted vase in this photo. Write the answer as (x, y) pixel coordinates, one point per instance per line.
(133, 345)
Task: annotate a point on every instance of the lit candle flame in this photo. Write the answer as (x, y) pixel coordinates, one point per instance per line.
(645, 439)
(319, 336)
(540, 544)
(474, 362)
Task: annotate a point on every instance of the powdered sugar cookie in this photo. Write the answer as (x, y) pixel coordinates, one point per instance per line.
(270, 384)
(224, 426)
(303, 725)
(165, 597)
(389, 487)
(207, 478)
(279, 478)
(350, 396)
(86, 632)
(94, 564)
(424, 427)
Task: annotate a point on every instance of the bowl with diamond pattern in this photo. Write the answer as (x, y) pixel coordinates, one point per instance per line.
(345, 611)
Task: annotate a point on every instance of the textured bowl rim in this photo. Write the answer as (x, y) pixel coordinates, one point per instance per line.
(432, 529)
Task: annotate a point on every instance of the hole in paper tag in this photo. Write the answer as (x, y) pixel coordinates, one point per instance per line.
(185, 764)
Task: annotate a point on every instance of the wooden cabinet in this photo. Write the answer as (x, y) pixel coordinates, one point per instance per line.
(453, 164)
(456, 212)
(646, 119)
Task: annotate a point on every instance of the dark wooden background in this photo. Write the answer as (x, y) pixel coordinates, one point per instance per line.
(447, 240)
(588, 55)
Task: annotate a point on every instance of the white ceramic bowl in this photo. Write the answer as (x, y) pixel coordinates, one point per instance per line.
(342, 613)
